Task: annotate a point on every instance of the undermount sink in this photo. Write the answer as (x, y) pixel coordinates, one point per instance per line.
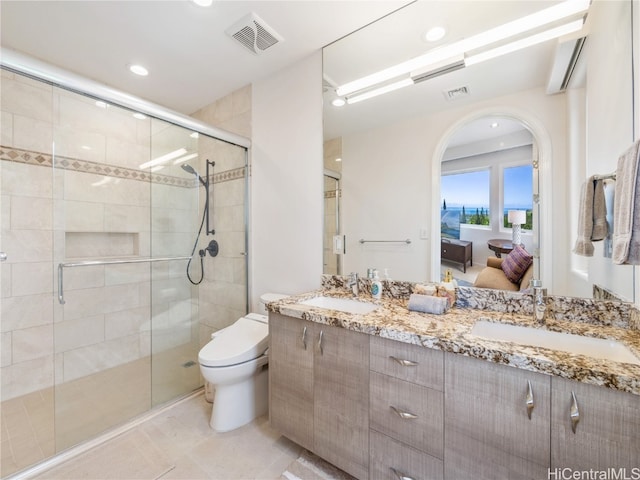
(592, 347)
(346, 305)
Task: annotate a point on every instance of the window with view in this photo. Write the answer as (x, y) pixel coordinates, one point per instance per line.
(465, 199)
(517, 193)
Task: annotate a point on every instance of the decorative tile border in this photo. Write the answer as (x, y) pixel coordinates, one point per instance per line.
(27, 157)
(332, 193)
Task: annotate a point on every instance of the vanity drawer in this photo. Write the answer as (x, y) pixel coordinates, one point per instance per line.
(388, 455)
(407, 412)
(412, 363)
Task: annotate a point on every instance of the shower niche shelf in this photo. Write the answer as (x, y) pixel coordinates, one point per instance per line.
(101, 244)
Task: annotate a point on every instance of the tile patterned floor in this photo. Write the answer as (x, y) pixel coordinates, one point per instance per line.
(179, 444)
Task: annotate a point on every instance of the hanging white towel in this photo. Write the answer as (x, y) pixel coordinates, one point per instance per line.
(592, 220)
(626, 213)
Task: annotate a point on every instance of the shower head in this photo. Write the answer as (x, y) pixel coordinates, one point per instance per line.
(189, 169)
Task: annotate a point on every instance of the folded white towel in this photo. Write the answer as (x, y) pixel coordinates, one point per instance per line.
(428, 304)
(626, 209)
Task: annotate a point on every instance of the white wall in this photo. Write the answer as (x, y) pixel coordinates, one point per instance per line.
(387, 174)
(286, 181)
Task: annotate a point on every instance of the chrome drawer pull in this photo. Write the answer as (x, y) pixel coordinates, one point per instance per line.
(403, 415)
(304, 338)
(403, 362)
(320, 343)
(574, 413)
(399, 475)
(529, 402)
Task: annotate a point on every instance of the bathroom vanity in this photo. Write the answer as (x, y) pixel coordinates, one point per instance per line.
(399, 394)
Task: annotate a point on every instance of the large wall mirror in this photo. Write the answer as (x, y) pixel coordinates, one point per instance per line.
(556, 111)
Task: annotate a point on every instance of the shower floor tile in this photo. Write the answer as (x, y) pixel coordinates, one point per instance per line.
(179, 444)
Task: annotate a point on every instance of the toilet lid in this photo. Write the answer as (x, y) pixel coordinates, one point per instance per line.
(245, 340)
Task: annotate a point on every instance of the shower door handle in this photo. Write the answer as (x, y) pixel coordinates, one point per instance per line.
(3, 257)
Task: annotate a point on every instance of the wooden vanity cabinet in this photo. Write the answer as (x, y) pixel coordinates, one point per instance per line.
(406, 411)
(488, 433)
(291, 378)
(607, 432)
(319, 394)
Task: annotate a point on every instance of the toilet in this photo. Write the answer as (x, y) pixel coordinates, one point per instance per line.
(235, 362)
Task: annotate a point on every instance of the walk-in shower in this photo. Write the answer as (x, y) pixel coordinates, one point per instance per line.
(99, 322)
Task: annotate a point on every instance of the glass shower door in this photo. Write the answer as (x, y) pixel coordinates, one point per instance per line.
(101, 237)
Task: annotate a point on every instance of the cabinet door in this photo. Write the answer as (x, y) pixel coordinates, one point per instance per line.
(607, 434)
(291, 378)
(341, 387)
(488, 434)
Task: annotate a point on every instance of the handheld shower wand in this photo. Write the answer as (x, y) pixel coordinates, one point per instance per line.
(189, 169)
(212, 248)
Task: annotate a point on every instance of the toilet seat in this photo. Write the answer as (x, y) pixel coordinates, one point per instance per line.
(245, 340)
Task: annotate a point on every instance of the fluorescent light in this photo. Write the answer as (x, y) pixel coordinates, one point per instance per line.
(379, 91)
(525, 42)
(156, 168)
(163, 159)
(483, 39)
(184, 159)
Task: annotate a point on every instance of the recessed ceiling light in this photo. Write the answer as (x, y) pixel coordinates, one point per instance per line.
(203, 3)
(139, 70)
(434, 34)
(140, 116)
(338, 102)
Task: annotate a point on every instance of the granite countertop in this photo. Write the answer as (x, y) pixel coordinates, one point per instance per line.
(450, 332)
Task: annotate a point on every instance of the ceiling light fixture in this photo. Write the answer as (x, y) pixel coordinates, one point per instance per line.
(163, 158)
(525, 42)
(502, 32)
(139, 70)
(434, 34)
(338, 102)
(379, 91)
(494, 125)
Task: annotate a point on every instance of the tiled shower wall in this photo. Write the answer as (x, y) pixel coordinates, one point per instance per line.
(95, 206)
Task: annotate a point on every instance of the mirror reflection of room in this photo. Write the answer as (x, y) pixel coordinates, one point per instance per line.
(486, 187)
(572, 95)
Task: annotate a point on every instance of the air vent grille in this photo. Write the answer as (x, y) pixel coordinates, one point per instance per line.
(254, 34)
(456, 93)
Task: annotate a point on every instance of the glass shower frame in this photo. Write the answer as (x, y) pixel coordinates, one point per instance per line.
(144, 266)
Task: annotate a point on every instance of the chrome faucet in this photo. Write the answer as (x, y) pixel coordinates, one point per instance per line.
(353, 283)
(539, 301)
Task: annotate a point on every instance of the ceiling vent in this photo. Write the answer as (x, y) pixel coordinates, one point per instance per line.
(254, 34)
(456, 93)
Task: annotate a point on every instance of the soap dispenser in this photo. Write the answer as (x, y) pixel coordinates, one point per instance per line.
(376, 286)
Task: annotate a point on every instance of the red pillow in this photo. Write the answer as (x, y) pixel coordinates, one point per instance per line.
(516, 263)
